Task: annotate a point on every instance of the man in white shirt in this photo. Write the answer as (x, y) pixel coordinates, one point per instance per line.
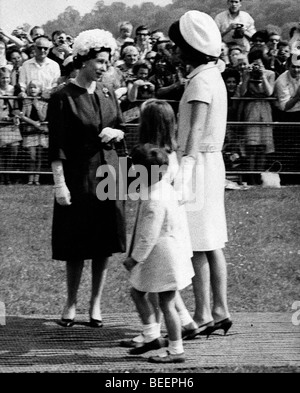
(40, 68)
(287, 92)
(236, 25)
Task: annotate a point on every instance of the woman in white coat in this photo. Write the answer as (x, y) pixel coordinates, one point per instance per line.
(201, 133)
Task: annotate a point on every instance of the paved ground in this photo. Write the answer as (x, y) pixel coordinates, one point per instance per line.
(38, 344)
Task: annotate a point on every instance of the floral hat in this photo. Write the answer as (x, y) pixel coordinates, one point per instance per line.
(93, 39)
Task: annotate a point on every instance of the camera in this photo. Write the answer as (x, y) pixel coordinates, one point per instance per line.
(255, 74)
(238, 31)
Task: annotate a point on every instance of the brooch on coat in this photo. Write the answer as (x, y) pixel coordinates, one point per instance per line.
(105, 91)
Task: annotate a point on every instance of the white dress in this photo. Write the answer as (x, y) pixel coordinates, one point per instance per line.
(207, 224)
(164, 259)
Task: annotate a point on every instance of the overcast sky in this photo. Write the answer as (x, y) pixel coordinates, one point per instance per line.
(37, 12)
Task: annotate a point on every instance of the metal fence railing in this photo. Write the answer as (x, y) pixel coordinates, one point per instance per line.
(244, 152)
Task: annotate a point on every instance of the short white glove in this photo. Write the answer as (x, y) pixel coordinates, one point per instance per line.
(109, 134)
(62, 195)
(183, 184)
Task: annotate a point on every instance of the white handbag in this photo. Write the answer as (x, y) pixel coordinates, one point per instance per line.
(271, 179)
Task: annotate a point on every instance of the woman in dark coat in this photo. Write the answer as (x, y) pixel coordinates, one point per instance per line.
(84, 117)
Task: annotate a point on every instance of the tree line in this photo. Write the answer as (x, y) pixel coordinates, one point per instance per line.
(273, 15)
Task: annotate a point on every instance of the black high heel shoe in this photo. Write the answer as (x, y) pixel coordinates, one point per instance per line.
(199, 331)
(225, 325)
(96, 323)
(66, 322)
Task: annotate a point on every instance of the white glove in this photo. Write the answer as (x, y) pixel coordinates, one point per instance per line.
(62, 195)
(109, 134)
(183, 184)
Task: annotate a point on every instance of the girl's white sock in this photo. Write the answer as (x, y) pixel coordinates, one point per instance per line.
(141, 338)
(185, 317)
(175, 347)
(151, 332)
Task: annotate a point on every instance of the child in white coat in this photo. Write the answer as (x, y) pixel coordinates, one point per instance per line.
(158, 126)
(159, 259)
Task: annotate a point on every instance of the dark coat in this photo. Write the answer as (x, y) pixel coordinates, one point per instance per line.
(89, 228)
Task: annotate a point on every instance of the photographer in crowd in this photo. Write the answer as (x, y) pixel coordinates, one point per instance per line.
(258, 84)
(236, 25)
(61, 48)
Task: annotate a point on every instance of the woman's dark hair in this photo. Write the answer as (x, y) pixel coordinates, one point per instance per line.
(78, 60)
(263, 34)
(256, 54)
(282, 43)
(141, 28)
(157, 124)
(189, 54)
(11, 51)
(57, 32)
(141, 64)
(292, 31)
(231, 73)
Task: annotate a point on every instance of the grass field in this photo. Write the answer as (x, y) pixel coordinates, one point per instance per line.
(263, 254)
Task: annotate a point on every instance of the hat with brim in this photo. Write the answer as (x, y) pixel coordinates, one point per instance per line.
(201, 32)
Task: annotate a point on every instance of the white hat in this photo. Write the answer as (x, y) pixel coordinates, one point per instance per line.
(201, 32)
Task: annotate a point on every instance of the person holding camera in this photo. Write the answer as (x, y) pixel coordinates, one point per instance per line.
(61, 48)
(257, 83)
(236, 25)
(140, 88)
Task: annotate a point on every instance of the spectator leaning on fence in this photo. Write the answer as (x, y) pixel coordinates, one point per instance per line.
(35, 134)
(15, 58)
(258, 82)
(10, 135)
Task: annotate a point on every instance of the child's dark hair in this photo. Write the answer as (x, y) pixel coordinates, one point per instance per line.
(153, 158)
(256, 54)
(157, 124)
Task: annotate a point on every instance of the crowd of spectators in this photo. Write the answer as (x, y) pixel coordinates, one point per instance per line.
(261, 73)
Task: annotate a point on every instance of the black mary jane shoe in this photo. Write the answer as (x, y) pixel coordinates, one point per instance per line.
(66, 322)
(158, 343)
(96, 323)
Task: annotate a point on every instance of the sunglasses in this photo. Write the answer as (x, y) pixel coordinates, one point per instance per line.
(42, 47)
(144, 34)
